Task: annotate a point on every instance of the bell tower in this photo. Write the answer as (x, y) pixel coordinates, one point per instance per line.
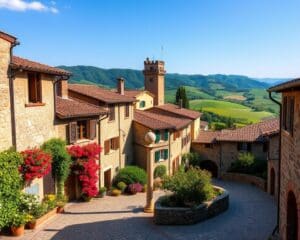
(154, 80)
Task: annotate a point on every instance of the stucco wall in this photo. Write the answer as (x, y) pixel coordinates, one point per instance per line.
(5, 114)
(144, 96)
(290, 166)
(195, 128)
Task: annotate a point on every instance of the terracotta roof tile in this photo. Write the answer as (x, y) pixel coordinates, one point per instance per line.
(158, 119)
(180, 111)
(251, 133)
(7, 37)
(207, 137)
(21, 63)
(70, 108)
(294, 83)
(99, 93)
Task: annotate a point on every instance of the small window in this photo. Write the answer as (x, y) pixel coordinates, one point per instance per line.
(111, 144)
(111, 113)
(127, 110)
(161, 155)
(82, 132)
(244, 147)
(142, 104)
(34, 88)
(288, 114)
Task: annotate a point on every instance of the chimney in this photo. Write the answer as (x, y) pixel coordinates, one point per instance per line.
(121, 85)
(180, 103)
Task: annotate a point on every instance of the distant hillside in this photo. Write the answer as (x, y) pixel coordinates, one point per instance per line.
(135, 79)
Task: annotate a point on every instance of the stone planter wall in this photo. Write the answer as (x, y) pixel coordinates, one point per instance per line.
(185, 216)
(246, 178)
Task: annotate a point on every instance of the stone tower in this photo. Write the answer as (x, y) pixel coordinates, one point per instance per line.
(154, 73)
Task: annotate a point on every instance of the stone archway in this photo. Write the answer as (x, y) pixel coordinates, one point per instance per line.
(292, 218)
(272, 182)
(210, 166)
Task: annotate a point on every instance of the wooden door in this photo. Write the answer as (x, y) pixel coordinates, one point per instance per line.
(107, 178)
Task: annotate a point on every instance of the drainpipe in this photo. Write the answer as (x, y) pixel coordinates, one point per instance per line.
(120, 153)
(99, 141)
(279, 162)
(11, 77)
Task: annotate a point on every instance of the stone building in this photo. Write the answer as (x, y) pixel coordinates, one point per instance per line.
(31, 112)
(289, 162)
(115, 135)
(219, 149)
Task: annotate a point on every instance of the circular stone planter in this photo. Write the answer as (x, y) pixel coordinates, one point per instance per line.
(184, 216)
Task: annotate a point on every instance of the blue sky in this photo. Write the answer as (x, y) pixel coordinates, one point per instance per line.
(258, 38)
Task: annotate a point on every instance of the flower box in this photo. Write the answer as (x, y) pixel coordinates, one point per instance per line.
(45, 217)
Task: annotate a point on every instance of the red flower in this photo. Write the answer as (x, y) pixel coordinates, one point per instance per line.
(36, 164)
(85, 158)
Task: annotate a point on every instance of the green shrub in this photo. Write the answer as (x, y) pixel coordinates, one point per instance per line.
(61, 161)
(160, 171)
(192, 159)
(10, 186)
(247, 164)
(131, 174)
(189, 188)
(121, 186)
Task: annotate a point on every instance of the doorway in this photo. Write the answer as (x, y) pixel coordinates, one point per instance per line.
(292, 218)
(272, 182)
(210, 166)
(107, 178)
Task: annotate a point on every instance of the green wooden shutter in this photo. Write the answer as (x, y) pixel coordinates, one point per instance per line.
(157, 139)
(157, 156)
(166, 154)
(166, 136)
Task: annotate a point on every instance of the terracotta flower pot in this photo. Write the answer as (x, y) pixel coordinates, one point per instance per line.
(60, 209)
(17, 231)
(31, 225)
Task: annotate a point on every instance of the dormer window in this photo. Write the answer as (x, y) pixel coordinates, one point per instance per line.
(34, 88)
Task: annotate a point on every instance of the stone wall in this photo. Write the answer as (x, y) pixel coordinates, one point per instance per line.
(290, 166)
(5, 114)
(185, 216)
(246, 178)
(34, 125)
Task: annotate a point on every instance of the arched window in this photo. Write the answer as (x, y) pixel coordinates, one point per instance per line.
(292, 218)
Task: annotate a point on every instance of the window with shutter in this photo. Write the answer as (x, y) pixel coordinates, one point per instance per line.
(157, 156)
(92, 129)
(166, 135)
(34, 88)
(157, 139)
(127, 110)
(166, 154)
(106, 146)
(111, 113)
(72, 132)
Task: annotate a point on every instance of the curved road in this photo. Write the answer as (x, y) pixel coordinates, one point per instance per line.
(251, 216)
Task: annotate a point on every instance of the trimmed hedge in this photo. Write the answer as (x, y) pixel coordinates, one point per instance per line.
(131, 174)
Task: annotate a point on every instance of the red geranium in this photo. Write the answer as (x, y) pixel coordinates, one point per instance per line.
(36, 164)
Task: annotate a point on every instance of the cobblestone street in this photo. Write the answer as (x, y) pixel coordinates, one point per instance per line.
(251, 216)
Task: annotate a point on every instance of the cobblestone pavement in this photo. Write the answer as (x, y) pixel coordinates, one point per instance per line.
(251, 216)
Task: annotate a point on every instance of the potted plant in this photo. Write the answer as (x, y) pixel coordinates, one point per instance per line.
(102, 192)
(61, 202)
(17, 224)
(31, 224)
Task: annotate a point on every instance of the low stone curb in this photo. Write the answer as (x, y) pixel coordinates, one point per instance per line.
(186, 216)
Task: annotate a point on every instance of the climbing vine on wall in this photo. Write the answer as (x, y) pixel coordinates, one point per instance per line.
(86, 167)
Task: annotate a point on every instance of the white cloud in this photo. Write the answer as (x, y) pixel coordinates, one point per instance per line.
(21, 5)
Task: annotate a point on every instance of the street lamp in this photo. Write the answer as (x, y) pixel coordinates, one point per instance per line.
(149, 139)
